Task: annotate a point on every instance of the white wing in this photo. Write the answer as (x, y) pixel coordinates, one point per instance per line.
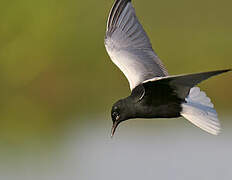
(129, 46)
(199, 110)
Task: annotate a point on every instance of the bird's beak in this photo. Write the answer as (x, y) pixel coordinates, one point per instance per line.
(114, 127)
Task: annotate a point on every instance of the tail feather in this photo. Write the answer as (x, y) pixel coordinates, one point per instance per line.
(199, 110)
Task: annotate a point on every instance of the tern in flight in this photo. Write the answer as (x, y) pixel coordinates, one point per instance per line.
(155, 93)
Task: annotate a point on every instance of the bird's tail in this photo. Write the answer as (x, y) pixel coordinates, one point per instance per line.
(199, 110)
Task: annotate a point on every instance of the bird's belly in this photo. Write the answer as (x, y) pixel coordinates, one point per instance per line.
(171, 110)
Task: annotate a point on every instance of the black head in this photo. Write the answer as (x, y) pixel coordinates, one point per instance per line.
(119, 113)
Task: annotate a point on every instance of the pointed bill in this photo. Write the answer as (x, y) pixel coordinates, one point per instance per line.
(114, 127)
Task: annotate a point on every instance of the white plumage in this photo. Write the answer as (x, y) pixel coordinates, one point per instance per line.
(199, 110)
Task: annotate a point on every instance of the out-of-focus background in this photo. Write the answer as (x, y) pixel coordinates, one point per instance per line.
(57, 85)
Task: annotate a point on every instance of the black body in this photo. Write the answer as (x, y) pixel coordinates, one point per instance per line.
(149, 101)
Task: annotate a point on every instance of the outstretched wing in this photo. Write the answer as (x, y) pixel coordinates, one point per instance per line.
(182, 83)
(129, 46)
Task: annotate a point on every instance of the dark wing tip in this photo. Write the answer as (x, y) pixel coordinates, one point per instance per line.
(227, 70)
(115, 13)
(221, 71)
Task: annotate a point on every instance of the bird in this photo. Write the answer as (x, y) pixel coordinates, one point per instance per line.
(154, 93)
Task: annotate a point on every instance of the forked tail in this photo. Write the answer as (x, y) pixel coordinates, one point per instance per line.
(199, 110)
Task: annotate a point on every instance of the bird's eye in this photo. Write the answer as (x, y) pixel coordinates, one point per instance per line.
(115, 115)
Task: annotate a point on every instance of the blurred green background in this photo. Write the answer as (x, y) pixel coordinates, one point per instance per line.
(55, 72)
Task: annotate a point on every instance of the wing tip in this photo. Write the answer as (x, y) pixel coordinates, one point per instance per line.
(117, 4)
(224, 70)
